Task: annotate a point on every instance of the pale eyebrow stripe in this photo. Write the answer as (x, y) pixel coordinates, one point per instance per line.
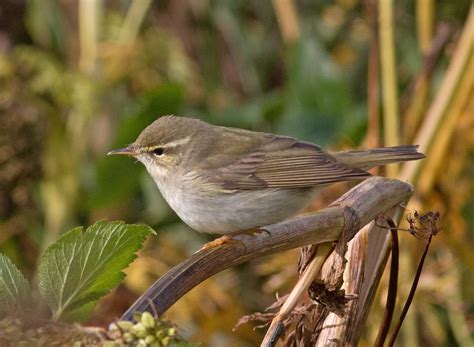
(171, 144)
(178, 142)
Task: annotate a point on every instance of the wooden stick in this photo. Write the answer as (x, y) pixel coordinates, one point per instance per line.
(305, 280)
(345, 216)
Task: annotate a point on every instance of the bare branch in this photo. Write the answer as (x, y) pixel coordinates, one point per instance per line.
(345, 216)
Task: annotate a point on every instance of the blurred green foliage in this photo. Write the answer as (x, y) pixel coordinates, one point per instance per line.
(74, 272)
(222, 61)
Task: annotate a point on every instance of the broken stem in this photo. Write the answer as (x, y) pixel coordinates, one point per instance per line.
(308, 276)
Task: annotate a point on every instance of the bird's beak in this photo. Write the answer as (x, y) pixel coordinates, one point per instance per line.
(124, 151)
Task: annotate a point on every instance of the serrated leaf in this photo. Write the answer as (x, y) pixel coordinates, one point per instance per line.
(81, 267)
(15, 291)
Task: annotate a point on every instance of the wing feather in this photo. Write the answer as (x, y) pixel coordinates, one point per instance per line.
(284, 162)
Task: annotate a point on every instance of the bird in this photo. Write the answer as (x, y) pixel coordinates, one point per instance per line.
(221, 180)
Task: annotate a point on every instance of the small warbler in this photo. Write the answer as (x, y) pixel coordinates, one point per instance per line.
(221, 180)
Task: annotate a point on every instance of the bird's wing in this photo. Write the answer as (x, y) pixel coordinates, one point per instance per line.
(283, 162)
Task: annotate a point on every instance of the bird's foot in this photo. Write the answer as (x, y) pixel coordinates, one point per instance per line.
(219, 242)
(229, 238)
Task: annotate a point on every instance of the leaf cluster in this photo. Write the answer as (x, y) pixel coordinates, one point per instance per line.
(75, 271)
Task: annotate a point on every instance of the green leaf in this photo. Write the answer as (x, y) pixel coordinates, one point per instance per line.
(15, 291)
(81, 267)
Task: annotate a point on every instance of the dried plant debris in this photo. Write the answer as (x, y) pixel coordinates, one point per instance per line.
(266, 318)
(307, 254)
(302, 319)
(144, 330)
(423, 226)
(301, 326)
(15, 331)
(334, 300)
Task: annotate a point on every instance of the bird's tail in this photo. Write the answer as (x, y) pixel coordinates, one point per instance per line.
(378, 156)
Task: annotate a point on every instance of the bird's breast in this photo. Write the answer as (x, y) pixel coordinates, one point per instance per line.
(223, 213)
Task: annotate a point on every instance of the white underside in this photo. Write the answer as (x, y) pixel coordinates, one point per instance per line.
(227, 212)
(237, 211)
(230, 212)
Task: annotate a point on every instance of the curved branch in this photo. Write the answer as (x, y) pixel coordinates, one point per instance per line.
(344, 217)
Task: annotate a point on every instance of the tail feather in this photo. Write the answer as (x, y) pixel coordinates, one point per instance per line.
(367, 159)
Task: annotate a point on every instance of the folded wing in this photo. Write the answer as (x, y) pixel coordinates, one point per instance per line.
(284, 162)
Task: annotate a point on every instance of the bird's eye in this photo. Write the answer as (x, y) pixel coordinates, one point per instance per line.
(158, 151)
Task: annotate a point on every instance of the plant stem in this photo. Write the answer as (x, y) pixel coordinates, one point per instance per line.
(424, 24)
(372, 138)
(389, 79)
(301, 287)
(287, 18)
(440, 148)
(392, 288)
(448, 87)
(133, 20)
(366, 201)
(88, 28)
(410, 295)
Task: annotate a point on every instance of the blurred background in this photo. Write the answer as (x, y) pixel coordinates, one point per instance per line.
(81, 77)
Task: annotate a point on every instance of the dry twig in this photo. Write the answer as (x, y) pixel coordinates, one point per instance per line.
(341, 221)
